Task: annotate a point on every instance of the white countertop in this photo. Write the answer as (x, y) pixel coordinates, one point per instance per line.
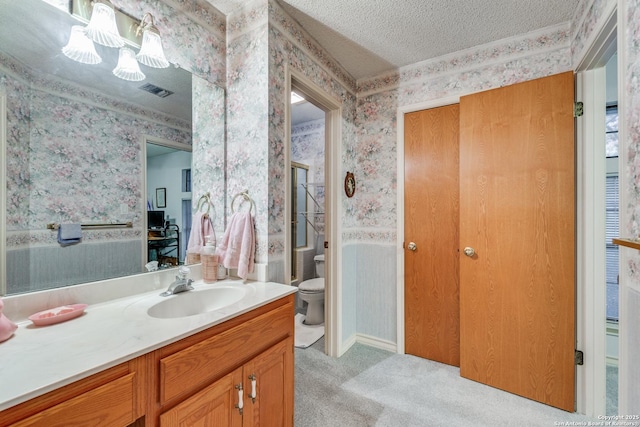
(37, 360)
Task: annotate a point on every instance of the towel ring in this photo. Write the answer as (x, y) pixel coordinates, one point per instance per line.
(206, 198)
(245, 197)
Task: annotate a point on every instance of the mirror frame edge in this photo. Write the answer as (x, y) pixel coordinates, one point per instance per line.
(3, 193)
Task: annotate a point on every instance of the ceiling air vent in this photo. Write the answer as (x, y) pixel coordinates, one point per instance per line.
(158, 91)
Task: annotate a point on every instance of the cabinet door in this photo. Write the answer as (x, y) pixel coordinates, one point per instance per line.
(213, 406)
(272, 372)
(110, 404)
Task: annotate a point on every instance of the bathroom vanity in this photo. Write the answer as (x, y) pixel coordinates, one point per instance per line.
(229, 366)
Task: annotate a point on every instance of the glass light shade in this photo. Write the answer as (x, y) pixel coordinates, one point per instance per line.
(151, 53)
(80, 48)
(128, 68)
(102, 27)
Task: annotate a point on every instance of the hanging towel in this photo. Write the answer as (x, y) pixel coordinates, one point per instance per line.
(69, 234)
(238, 246)
(201, 227)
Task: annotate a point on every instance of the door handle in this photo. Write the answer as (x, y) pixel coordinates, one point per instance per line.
(412, 246)
(240, 404)
(253, 394)
(469, 251)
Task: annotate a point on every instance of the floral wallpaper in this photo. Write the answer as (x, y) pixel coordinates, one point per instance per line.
(247, 118)
(291, 47)
(208, 164)
(262, 41)
(51, 180)
(587, 16)
(632, 143)
(630, 215)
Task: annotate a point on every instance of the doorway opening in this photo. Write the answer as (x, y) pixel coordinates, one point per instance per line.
(307, 187)
(307, 159)
(167, 199)
(311, 207)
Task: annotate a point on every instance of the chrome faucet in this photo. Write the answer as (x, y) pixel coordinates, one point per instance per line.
(181, 284)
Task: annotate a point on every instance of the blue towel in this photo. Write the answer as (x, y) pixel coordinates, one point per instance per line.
(69, 234)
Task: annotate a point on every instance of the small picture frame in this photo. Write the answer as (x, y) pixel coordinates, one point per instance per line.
(161, 197)
(349, 184)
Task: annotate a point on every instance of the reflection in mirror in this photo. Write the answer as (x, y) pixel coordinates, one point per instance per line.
(74, 151)
(168, 201)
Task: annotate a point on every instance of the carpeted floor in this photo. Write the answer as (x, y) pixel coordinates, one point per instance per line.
(612, 390)
(372, 387)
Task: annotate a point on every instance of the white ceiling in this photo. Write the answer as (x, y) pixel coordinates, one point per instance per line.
(305, 112)
(369, 37)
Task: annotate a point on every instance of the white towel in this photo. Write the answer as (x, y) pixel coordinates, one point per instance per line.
(238, 246)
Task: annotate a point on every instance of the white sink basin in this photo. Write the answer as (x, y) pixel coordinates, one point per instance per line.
(191, 303)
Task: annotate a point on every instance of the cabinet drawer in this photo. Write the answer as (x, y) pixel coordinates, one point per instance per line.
(110, 404)
(200, 364)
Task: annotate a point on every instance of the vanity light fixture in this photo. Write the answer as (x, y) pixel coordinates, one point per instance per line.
(128, 68)
(111, 27)
(151, 53)
(102, 27)
(80, 48)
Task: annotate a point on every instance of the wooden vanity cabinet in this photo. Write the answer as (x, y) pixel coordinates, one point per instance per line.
(219, 403)
(114, 397)
(200, 379)
(195, 381)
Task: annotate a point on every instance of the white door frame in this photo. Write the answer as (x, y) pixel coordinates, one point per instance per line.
(333, 207)
(591, 219)
(591, 243)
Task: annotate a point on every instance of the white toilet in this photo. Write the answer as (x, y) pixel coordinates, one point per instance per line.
(312, 291)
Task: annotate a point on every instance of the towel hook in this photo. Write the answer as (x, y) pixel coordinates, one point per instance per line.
(245, 196)
(206, 198)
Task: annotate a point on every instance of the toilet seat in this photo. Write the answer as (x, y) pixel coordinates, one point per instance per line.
(312, 285)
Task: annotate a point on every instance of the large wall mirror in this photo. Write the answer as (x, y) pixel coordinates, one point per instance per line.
(75, 151)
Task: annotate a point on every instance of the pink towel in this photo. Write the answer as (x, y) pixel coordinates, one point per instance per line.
(201, 227)
(238, 246)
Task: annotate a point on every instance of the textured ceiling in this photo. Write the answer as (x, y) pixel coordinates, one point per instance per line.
(369, 37)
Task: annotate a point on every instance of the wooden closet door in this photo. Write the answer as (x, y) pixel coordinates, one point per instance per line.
(517, 210)
(431, 223)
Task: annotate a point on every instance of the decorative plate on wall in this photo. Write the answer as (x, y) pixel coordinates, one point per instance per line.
(349, 184)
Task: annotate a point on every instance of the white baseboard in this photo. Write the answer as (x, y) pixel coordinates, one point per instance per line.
(346, 345)
(376, 342)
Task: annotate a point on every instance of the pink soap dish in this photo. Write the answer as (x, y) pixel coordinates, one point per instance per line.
(57, 315)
